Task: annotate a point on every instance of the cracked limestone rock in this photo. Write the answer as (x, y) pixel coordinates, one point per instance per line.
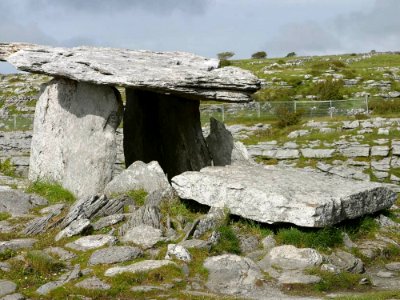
(274, 195)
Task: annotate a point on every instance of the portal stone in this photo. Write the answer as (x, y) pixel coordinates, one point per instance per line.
(74, 136)
(166, 129)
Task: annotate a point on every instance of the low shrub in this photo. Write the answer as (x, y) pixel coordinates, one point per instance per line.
(334, 282)
(53, 192)
(259, 55)
(287, 118)
(383, 107)
(319, 239)
(328, 90)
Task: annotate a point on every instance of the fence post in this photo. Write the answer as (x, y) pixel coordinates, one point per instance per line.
(223, 113)
(15, 122)
(295, 106)
(366, 103)
(330, 108)
(258, 110)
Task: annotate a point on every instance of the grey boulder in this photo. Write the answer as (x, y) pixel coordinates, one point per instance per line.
(139, 175)
(274, 195)
(115, 254)
(7, 287)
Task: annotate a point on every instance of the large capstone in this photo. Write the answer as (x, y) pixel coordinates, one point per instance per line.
(277, 195)
(166, 129)
(74, 136)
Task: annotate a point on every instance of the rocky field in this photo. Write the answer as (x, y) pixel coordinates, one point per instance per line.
(142, 240)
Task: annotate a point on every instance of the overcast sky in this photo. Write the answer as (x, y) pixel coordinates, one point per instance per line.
(207, 27)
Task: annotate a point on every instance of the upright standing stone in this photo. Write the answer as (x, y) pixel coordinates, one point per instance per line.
(220, 143)
(166, 129)
(74, 136)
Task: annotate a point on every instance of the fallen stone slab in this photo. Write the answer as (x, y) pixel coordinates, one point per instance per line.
(271, 194)
(139, 267)
(108, 221)
(115, 254)
(60, 253)
(37, 225)
(166, 72)
(92, 242)
(74, 228)
(17, 244)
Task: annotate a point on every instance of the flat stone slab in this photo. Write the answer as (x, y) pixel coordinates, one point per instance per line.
(7, 287)
(18, 203)
(270, 194)
(143, 235)
(92, 242)
(180, 73)
(17, 244)
(93, 283)
(114, 255)
(143, 266)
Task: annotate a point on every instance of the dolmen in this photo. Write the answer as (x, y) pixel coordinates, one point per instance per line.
(78, 112)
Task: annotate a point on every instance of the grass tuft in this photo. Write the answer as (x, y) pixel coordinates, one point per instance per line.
(53, 192)
(228, 243)
(138, 195)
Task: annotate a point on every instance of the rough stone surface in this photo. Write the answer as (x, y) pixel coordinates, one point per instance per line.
(143, 235)
(92, 242)
(215, 216)
(297, 277)
(166, 129)
(356, 151)
(143, 266)
(289, 257)
(16, 296)
(232, 274)
(7, 287)
(220, 143)
(74, 228)
(16, 244)
(93, 283)
(76, 118)
(147, 215)
(395, 266)
(18, 203)
(167, 72)
(85, 208)
(272, 194)
(108, 221)
(380, 151)
(65, 278)
(115, 254)
(139, 175)
(240, 155)
(317, 153)
(178, 252)
(38, 225)
(346, 262)
(61, 253)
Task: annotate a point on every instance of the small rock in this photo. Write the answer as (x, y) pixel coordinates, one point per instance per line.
(211, 221)
(147, 288)
(7, 287)
(114, 255)
(143, 235)
(178, 252)
(394, 266)
(268, 242)
(5, 266)
(380, 151)
(74, 228)
(297, 277)
(61, 253)
(330, 268)
(17, 244)
(15, 296)
(346, 262)
(37, 225)
(54, 210)
(139, 267)
(195, 243)
(385, 274)
(93, 283)
(108, 221)
(383, 131)
(92, 242)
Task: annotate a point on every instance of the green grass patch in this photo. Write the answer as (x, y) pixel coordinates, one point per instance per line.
(228, 242)
(343, 281)
(53, 192)
(138, 195)
(4, 216)
(364, 227)
(7, 168)
(321, 239)
(380, 295)
(7, 254)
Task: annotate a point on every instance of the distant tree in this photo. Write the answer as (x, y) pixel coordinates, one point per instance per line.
(225, 55)
(291, 54)
(259, 55)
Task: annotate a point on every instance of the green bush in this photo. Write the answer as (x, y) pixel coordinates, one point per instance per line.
(291, 54)
(225, 55)
(259, 55)
(7, 168)
(287, 118)
(328, 90)
(224, 63)
(320, 239)
(228, 243)
(383, 107)
(53, 192)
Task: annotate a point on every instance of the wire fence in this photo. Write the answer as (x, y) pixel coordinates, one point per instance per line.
(267, 110)
(230, 112)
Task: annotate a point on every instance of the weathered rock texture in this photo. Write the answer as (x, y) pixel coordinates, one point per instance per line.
(74, 136)
(166, 72)
(274, 195)
(220, 143)
(166, 129)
